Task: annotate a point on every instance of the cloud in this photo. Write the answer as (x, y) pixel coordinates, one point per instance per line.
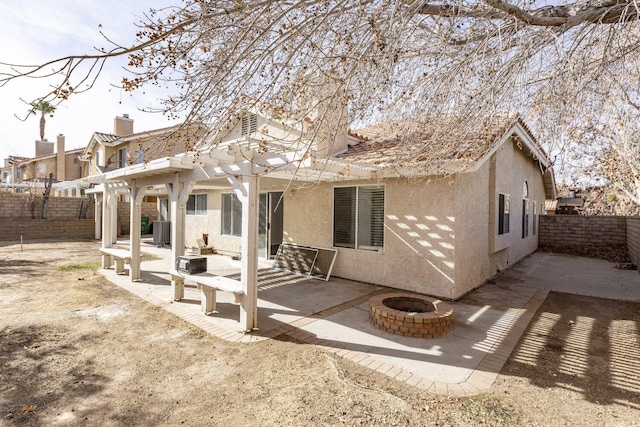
(40, 30)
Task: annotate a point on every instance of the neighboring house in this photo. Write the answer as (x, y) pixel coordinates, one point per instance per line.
(10, 173)
(569, 205)
(63, 166)
(439, 229)
(123, 147)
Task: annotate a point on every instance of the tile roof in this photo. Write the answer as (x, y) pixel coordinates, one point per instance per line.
(570, 201)
(435, 142)
(104, 137)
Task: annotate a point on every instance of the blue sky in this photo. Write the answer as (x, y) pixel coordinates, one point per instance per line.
(40, 30)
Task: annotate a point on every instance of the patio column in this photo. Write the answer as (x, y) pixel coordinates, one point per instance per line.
(247, 191)
(114, 217)
(178, 195)
(107, 217)
(135, 201)
(98, 215)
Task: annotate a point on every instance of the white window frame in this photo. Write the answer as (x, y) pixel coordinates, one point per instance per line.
(199, 203)
(504, 214)
(231, 201)
(122, 157)
(356, 218)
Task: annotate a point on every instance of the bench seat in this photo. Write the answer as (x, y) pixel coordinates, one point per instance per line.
(208, 284)
(119, 256)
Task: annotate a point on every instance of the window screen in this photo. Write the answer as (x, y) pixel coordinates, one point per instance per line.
(197, 204)
(503, 213)
(231, 215)
(358, 217)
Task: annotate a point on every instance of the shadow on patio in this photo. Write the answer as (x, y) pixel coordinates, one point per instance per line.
(334, 315)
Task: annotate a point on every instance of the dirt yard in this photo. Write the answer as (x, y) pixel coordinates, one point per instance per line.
(77, 350)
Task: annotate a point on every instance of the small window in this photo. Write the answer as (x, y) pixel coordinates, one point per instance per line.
(164, 209)
(231, 215)
(525, 218)
(249, 123)
(358, 217)
(97, 157)
(535, 218)
(197, 204)
(504, 207)
(140, 156)
(122, 157)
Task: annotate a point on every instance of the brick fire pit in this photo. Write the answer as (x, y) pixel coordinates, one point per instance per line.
(411, 315)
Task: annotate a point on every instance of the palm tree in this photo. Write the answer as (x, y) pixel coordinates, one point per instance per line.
(45, 108)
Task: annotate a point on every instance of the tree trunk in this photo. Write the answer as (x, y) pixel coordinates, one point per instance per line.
(42, 119)
(45, 195)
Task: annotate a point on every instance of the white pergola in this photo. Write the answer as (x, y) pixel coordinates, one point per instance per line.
(242, 167)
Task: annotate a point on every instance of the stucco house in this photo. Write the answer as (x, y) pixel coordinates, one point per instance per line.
(30, 173)
(437, 229)
(124, 147)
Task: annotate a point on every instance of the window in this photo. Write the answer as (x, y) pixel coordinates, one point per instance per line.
(98, 158)
(358, 217)
(197, 204)
(504, 207)
(525, 209)
(525, 218)
(231, 215)
(122, 157)
(140, 156)
(164, 209)
(249, 123)
(535, 218)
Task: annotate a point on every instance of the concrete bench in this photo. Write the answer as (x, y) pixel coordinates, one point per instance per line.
(208, 284)
(119, 256)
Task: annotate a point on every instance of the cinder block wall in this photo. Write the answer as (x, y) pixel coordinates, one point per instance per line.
(22, 207)
(557, 230)
(633, 239)
(36, 229)
(149, 209)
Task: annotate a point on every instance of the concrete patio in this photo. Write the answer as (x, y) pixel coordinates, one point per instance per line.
(333, 315)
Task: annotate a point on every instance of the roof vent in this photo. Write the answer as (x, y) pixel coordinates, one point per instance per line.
(125, 115)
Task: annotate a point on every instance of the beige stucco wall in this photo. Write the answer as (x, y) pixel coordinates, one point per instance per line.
(419, 237)
(73, 167)
(480, 251)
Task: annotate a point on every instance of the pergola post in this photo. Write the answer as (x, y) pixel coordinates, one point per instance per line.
(135, 200)
(107, 217)
(247, 191)
(98, 215)
(178, 195)
(114, 217)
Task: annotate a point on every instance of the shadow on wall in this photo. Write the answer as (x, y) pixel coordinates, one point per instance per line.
(430, 238)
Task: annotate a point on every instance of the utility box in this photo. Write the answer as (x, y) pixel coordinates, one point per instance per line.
(191, 264)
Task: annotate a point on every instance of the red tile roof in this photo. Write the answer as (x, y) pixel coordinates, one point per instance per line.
(436, 142)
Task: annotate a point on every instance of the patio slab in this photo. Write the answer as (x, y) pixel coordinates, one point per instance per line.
(486, 324)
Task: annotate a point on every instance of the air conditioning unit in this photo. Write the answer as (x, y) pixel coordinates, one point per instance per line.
(191, 264)
(162, 232)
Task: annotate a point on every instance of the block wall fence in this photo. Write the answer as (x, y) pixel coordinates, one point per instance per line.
(566, 230)
(633, 239)
(66, 217)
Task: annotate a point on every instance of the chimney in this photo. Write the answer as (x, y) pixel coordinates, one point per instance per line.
(60, 159)
(330, 104)
(122, 126)
(44, 148)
